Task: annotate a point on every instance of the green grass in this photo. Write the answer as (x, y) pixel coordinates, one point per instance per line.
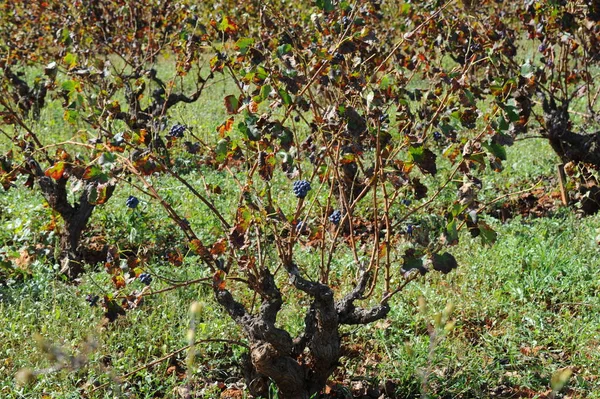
(523, 309)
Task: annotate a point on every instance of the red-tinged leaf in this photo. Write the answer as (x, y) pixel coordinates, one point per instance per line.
(227, 25)
(216, 64)
(383, 250)
(225, 127)
(266, 165)
(247, 262)
(56, 171)
(119, 281)
(139, 138)
(219, 247)
(92, 172)
(348, 159)
(132, 301)
(133, 263)
(232, 103)
(237, 236)
(253, 107)
(146, 165)
(63, 155)
(102, 194)
(219, 280)
(175, 257)
(198, 248)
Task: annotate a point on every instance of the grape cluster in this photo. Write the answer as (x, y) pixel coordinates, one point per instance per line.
(301, 188)
(406, 202)
(177, 131)
(437, 136)
(409, 230)
(132, 202)
(335, 217)
(338, 58)
(92, 299)
(145, 278)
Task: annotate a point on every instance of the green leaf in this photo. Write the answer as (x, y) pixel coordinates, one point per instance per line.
(527, 70)
(70, 60)
(94, 172)
(71, 116)
(470, 97)
(249, 129)
(265, 91)
(93, 197)
(243, 44)
(285, 96)
(451, 233)
(444, 263)
(488, 235)
(284, 49)
(503, 124)
(69, 85)
(325, 5)
(497, 150)
(221, 150)
(386, 82)
(107, 158)
(413, 261)
(261, 74)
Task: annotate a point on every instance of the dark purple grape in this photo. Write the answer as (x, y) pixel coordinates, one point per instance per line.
(145, 278)
(177, 131)
(335, 217)
(301, 188)
(338, 58)
(132, 202)
(92, 299)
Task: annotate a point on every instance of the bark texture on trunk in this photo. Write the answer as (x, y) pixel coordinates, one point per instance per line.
(301, 366)
(75, 216)
(574, 147)
(568, 145)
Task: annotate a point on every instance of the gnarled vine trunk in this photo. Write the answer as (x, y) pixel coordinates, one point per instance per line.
(567, 144)
(573, 147)
(75, 216)
(299, 366)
